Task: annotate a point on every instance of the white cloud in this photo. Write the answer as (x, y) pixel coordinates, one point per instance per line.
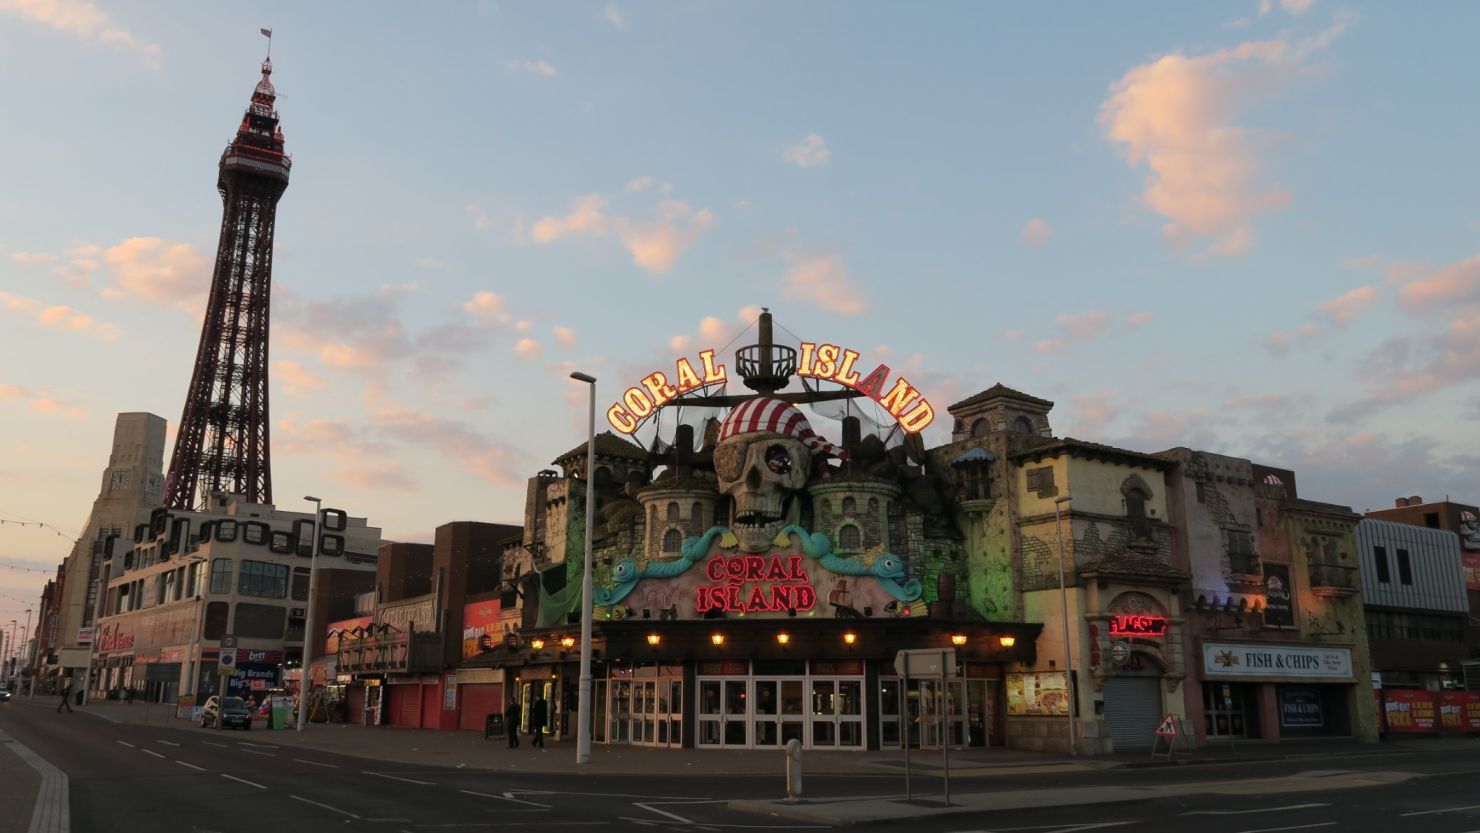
(584, 218)
(614, 16)
(82, 20)
(1035, 232)
(824, 280)
(528, 67)
(810, 151)
(656, 244)
(1176, 115)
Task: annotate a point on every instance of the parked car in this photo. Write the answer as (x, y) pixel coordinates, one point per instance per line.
(233, 711)
(4, 693)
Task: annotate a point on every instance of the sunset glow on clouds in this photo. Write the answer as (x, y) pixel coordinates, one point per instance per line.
(1248, 228)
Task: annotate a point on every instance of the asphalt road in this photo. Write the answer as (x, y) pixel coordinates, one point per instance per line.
(126, 778)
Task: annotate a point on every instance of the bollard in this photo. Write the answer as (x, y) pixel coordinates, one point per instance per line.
(793, 770)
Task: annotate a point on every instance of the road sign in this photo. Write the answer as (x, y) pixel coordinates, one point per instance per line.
(927, 662)
(227, 658)
(1168, 727)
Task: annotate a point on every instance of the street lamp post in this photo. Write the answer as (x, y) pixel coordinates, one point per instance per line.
(1064, 598)
(583, 703)
(313, 586)
(25, 632)
(9, 658)
(98, 589)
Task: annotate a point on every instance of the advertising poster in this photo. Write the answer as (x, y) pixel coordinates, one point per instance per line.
(1279, 612)
(1459, 711)
(1472, 569)
(1301, 708)
(480, 628)
(1045, 693)
(282, 711)
(1411, 712)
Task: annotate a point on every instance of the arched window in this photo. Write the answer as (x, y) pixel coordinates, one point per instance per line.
(850, 507)
(1136, 493)
(673, 510)
(1022, 425)
(849, 539)
(980, 427)
(672, 540)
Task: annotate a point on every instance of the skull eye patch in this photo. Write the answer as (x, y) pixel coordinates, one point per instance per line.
(778, 459)
(728, 460)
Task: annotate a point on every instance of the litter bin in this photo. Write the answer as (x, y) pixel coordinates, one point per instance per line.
(493, 726)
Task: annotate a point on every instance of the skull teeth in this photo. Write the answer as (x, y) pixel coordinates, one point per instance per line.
(756, 520)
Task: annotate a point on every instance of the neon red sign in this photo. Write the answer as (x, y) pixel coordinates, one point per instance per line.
(777, 583)
(1137, 625)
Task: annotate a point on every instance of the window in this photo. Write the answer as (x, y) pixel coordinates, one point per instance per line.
(215, 620)
(300, 584)
(850, 506)
(1241, 558)
(1379, 554)
(849, 539)
(259, 621)
(980, 427)
(263, 579)
(1405, 569)
(672, 540)
(673, 511)
(221, 575)
(1431, 520)
(1022, 425)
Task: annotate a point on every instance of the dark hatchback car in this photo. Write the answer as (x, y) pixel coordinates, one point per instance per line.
(233, 711)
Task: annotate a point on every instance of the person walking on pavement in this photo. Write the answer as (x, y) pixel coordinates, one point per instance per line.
(66, 697)
(539, 715)
(511, 722)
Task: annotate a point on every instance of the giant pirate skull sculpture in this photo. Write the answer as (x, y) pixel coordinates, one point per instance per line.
(763, 459)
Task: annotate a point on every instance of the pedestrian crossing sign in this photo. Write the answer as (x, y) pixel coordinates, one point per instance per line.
(1168, 727)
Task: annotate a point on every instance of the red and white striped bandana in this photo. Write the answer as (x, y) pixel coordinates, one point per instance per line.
(766, 414)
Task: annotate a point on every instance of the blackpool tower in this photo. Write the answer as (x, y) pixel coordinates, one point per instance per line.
(222, 442)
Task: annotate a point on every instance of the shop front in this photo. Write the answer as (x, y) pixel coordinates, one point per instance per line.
(1277, 690)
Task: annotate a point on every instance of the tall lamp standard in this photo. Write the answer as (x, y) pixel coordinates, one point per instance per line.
(26, 656)
(313, 587)
(583, 703)
(9, 660)
(1064, 598)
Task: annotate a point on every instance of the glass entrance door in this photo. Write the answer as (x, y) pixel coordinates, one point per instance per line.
(724, 713)
(836, 713)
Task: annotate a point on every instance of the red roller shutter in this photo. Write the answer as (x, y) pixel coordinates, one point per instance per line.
(478, 700)
(405, 705)
(431, 705)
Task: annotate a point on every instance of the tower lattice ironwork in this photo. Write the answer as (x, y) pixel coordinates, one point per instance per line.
(223, 440)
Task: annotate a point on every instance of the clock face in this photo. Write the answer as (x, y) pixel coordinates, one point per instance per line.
(153, 483)
(120, 480)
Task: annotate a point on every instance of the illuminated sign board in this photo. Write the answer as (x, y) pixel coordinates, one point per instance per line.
(656, 391)
(777, 583)
(828, 362)
(1136, 625)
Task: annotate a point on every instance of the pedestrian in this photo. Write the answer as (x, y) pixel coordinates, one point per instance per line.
(539, 715)
(511, 722)
(66, 698)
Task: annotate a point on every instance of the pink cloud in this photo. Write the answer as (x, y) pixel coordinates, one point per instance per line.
(656, 244)
(1343, 308)
(1457, 284)
(82, 20)
(584, 219)
(810, 152)
(295, 379)
(824, 280)
(1073, 329)
(1035, 232)
(58, 317)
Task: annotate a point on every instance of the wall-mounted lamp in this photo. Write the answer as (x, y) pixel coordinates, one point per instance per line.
(1007, 641)
(717, 639)
(958, 639)
(537, 644)
(654, 639)
(567, 642)
(783, 639)
(850, 637)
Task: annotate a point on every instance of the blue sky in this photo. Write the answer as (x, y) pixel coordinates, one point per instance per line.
(1246, 227)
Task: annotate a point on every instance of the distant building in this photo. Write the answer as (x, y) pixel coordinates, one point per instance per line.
(1414, 590)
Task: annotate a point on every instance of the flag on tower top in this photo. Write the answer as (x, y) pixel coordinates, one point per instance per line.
(267, 32)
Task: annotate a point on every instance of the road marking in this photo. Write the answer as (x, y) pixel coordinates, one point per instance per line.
(325, 806)
(1050, 828)
(398, 778)
(52, 811)
(213, 743)
(1256, 810)
(675, 816)
(258, 745)
(192, 766)
(126, 743)
(152, 752)
(255, 752)
(1445, 810)
(244, 781)
(508, 796)
(1293, 827)
(317, 763)
(167, 742)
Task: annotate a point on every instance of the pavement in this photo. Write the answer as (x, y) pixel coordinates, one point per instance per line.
(843, 788)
